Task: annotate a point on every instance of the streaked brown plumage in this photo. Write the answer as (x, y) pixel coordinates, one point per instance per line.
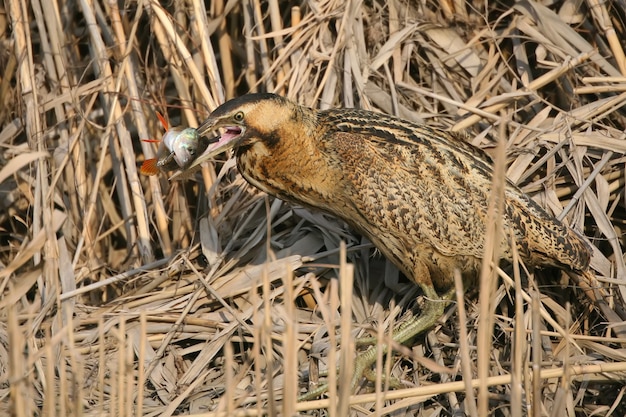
(419, 194)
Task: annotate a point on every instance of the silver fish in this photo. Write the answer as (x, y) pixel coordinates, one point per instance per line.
(177, 150)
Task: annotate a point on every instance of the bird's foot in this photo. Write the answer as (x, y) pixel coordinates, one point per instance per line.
(433, 309)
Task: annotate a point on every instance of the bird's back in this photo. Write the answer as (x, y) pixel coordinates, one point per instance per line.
(424, 194)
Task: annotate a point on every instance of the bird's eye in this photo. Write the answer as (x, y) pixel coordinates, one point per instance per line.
(238, 116)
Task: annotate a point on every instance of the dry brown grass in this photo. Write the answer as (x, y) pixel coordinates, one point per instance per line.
(127, 295)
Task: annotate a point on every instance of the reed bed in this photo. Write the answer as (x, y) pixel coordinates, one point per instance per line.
(126, 295)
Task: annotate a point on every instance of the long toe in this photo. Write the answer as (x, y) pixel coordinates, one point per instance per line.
(432, 310)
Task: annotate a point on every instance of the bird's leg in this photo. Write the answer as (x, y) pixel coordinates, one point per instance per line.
(433, 308)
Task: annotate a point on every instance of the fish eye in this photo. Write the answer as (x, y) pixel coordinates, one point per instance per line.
(238, 117)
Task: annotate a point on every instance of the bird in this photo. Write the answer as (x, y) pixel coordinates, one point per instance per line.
(420, 194)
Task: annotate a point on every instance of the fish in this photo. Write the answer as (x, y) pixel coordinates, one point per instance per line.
(177, 150)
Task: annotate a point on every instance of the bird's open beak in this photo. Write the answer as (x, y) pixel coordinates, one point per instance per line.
(226, 141)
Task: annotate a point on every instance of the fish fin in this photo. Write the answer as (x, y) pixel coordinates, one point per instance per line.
(151, 140)
(163, 121)
(149, 167)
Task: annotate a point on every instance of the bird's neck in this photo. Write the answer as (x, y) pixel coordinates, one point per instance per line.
(273, 165)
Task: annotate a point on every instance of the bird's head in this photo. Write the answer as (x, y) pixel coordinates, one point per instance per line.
(248, 121)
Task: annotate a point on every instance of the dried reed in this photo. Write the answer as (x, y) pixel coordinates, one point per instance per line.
(126, 295)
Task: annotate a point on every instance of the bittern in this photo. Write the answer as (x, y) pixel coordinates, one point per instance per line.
(419, 194)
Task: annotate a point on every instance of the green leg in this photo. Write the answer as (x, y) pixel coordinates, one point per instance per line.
(434, 307)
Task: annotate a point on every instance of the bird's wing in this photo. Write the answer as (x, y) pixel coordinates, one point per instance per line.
(435, 190)
(433, 193)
